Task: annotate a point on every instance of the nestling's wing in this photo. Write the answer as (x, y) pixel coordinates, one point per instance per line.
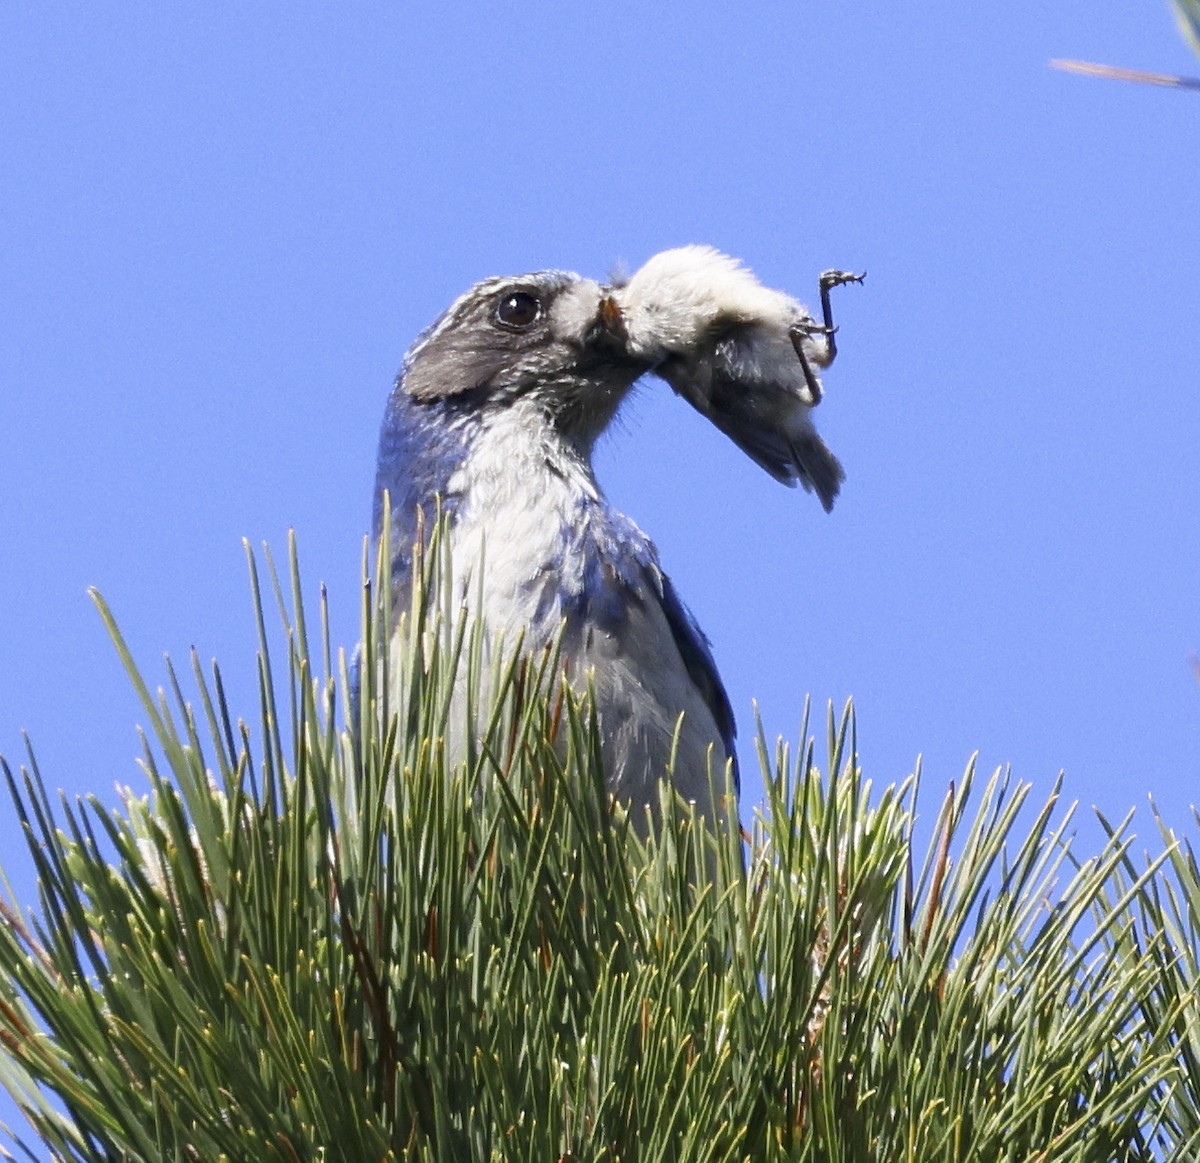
(767, 421)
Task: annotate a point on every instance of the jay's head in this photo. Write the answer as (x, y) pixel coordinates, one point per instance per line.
(552, 339)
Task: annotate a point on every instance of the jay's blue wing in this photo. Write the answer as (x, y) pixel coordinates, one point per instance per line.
(697, 658)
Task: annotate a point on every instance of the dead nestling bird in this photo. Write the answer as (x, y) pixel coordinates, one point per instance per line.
(740, 353)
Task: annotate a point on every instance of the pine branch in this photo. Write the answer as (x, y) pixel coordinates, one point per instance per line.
(429, 937)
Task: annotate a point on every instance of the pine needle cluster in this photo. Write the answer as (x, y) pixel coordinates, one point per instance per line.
(361, 930)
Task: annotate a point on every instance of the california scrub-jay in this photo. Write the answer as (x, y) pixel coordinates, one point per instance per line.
(494, 416)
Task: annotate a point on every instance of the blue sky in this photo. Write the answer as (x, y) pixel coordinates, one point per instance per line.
(221, 227)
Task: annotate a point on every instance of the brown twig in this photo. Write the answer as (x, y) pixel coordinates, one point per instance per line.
(1113, 73)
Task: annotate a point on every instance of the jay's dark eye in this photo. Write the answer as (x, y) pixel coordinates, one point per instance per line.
(518, 310)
